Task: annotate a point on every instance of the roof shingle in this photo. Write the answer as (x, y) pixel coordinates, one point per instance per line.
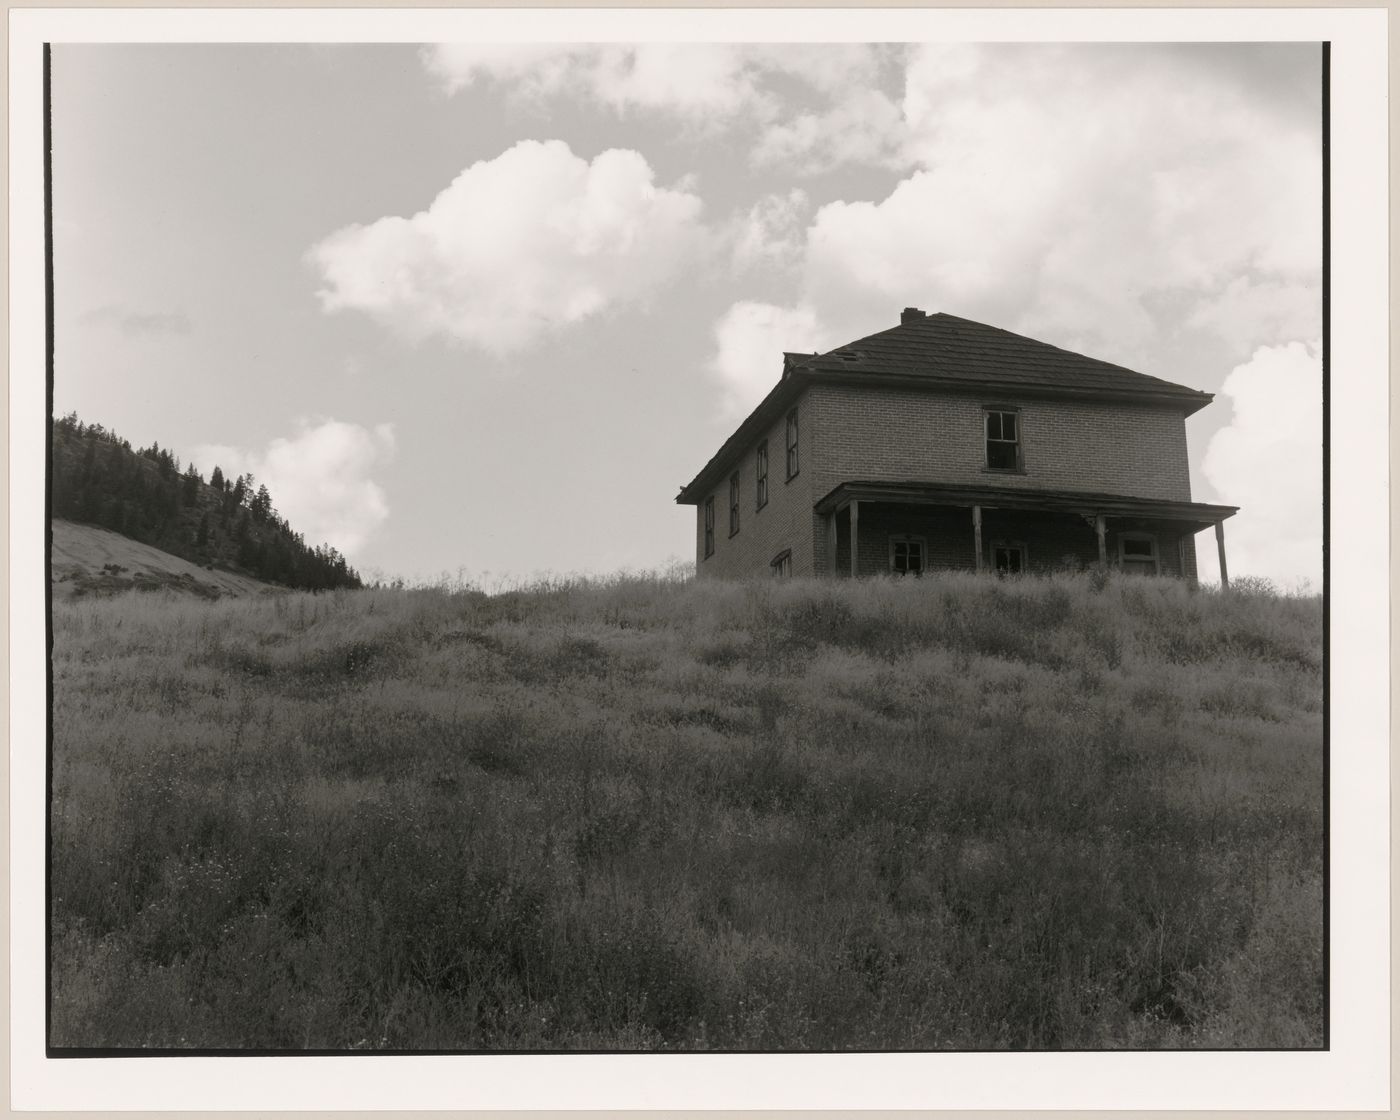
(943, 346)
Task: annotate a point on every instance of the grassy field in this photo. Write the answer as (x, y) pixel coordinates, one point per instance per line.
(947, 813)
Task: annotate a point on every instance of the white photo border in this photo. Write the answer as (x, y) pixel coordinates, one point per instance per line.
(1352, 1075)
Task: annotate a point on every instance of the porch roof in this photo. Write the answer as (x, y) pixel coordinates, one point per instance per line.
(1081, 503)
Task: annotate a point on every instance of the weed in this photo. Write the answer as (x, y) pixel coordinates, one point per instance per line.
(1071, 811)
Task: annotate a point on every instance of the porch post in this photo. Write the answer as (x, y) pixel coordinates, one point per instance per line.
(831, 544)
(1103, 543)
(1220, 548)
(855, 522)
(977, 535)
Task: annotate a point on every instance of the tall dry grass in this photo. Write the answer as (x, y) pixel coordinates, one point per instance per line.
(951, 813)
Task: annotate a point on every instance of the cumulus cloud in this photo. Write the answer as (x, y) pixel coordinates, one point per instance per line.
(1247, 310)
(1071, 191)
(516, 247)
(320, 479)
(1269, 463)
(772, 234)
(686, 79)
(865, 127)
(749, 344)
(816, 106)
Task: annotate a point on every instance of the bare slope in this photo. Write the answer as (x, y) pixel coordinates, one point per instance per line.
(88, 560)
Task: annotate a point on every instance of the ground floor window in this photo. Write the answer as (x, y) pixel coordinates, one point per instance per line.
(907, 555)
(1137, 552)
(781, 564)
(1009, 559)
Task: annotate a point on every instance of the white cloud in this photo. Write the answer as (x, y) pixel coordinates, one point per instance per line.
(515, 248)
(1247, 310)
(817, 105)
(320, 479)
(750, 340)
(1062, 189)
(1269, 463)
(771, 235)
(864, 127)
(686, 79)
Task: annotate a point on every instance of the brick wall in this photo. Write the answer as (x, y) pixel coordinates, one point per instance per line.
(784, 523)
(901, 435)
(848, 433)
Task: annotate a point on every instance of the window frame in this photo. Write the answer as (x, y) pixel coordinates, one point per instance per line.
(1140, 535)
(761, 475)
(793, 461)
(709, 524)
(1014, 411)
(734, 489)
(919, 539)
(781, 565)
(1011, 546)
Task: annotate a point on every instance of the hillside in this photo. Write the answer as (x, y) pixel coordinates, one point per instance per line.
(230, 524)
(952, 813)
(87, 560)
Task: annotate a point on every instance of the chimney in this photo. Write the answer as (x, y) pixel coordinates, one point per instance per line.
(911, 315)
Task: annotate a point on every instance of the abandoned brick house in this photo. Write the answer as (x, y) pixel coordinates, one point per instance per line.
(944, 443)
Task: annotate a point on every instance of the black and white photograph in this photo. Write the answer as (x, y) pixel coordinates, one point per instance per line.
(741, 547)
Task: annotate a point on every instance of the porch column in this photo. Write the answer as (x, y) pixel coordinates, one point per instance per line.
(855, 521)
(1103, 543)
(977, 535)
(1220, 548)
(831, 544)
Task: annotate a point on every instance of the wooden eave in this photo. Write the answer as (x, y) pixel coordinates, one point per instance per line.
(1081, 503)
(1186, 401)
(769, 409)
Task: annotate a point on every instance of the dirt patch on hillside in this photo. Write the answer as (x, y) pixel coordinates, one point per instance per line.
(88, 561)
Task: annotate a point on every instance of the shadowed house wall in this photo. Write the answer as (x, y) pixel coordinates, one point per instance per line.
(786, 522)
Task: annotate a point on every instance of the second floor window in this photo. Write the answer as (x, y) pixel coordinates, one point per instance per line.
(734, 503)
(762, 475)
(1003, 440)
(710, 526)
(792, 444)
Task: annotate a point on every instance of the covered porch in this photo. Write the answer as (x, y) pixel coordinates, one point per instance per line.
(873, 528)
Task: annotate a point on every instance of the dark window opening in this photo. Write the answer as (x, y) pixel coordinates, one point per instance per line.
(1003, 441)
(792, 444)
(709, 526)
(734, 503)
(907, 555)
(762, 475)
(1138, 553)
(782, 564)
(1009, 559)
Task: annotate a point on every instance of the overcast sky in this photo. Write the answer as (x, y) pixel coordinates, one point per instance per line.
(485, 308)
